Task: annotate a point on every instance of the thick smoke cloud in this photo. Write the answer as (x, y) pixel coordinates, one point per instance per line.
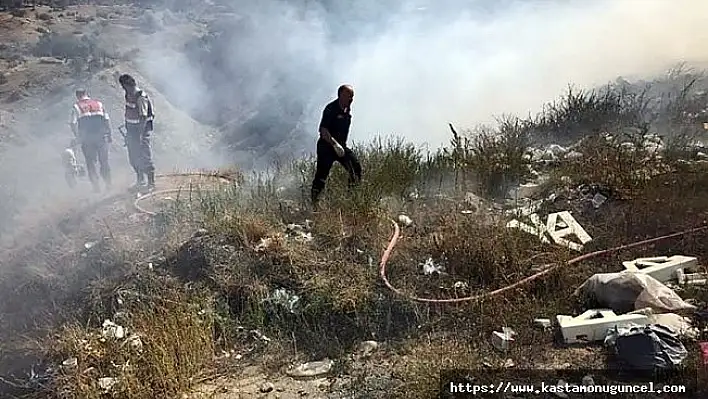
(418, 65)
(261, 71)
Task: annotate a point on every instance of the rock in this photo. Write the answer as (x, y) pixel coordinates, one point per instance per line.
(267, 387)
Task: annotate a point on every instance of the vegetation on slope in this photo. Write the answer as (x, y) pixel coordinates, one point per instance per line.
(190, 299)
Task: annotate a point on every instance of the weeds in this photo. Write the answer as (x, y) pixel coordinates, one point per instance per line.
(203, 292)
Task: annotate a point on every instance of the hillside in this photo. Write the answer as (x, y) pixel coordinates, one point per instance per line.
(222, 283)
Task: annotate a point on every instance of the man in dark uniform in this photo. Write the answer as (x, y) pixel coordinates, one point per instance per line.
(92, 129)
(138, 125)
(332, 144)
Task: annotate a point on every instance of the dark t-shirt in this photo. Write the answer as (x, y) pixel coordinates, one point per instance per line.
(337, 121)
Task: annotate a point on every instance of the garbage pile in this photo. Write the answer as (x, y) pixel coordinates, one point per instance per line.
(293, 232)
(635, 312)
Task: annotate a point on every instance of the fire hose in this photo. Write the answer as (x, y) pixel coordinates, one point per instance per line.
(526, 280)
(136, 203)
(397, 232)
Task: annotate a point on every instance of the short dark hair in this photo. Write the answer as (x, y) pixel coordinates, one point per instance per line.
(126, 79)
(80, 92)
(343, 88)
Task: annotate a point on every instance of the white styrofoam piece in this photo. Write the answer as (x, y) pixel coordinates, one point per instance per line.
(662, 268)
(501, 340)
(538, 229)
(691, 278)
(588, 327)
(558, 226)
(569, 227)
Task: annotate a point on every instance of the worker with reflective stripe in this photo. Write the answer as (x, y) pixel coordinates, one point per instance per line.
(92, 129)
(138, 126)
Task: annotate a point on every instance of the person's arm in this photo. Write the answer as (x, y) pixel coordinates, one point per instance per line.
(142, 104)
(74, 122)
(325, 124)
(107, 124)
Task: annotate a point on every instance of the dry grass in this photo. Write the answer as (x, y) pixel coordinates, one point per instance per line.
(202, 294)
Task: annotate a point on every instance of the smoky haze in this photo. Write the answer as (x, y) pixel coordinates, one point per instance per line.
(260, 72)
(417, 65)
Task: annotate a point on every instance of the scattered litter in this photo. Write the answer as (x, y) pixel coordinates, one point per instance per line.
(588, 380)
(626, 291)
(648, 347)
(285, 298)
(598, 200)
(508, 363)
(558, 226)
(312, 369)
(135, 342)
(90, 244)
(112, 330)
(502, 340)
(680, 324)
(405, 220)
(366, 348)
(267, 387)
(573, 155)
(460, 285)
(298, 231)
(70, 363)
(594, 324)
(662, 268)
(259, 335)
(542, 323)
(429, 267)
(264, 244)
(691, 278)
(200, 233)
(107, 383)
(525, 190)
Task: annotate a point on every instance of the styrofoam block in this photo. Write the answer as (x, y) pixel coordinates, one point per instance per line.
(594, 323)
(558, 226)
(501, 341)
(566, 226)
(538, 229)
(662, 268)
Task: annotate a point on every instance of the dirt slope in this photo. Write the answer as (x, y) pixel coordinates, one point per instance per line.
(37, 94)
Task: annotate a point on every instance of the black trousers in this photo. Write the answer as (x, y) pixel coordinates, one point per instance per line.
(326, 157)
